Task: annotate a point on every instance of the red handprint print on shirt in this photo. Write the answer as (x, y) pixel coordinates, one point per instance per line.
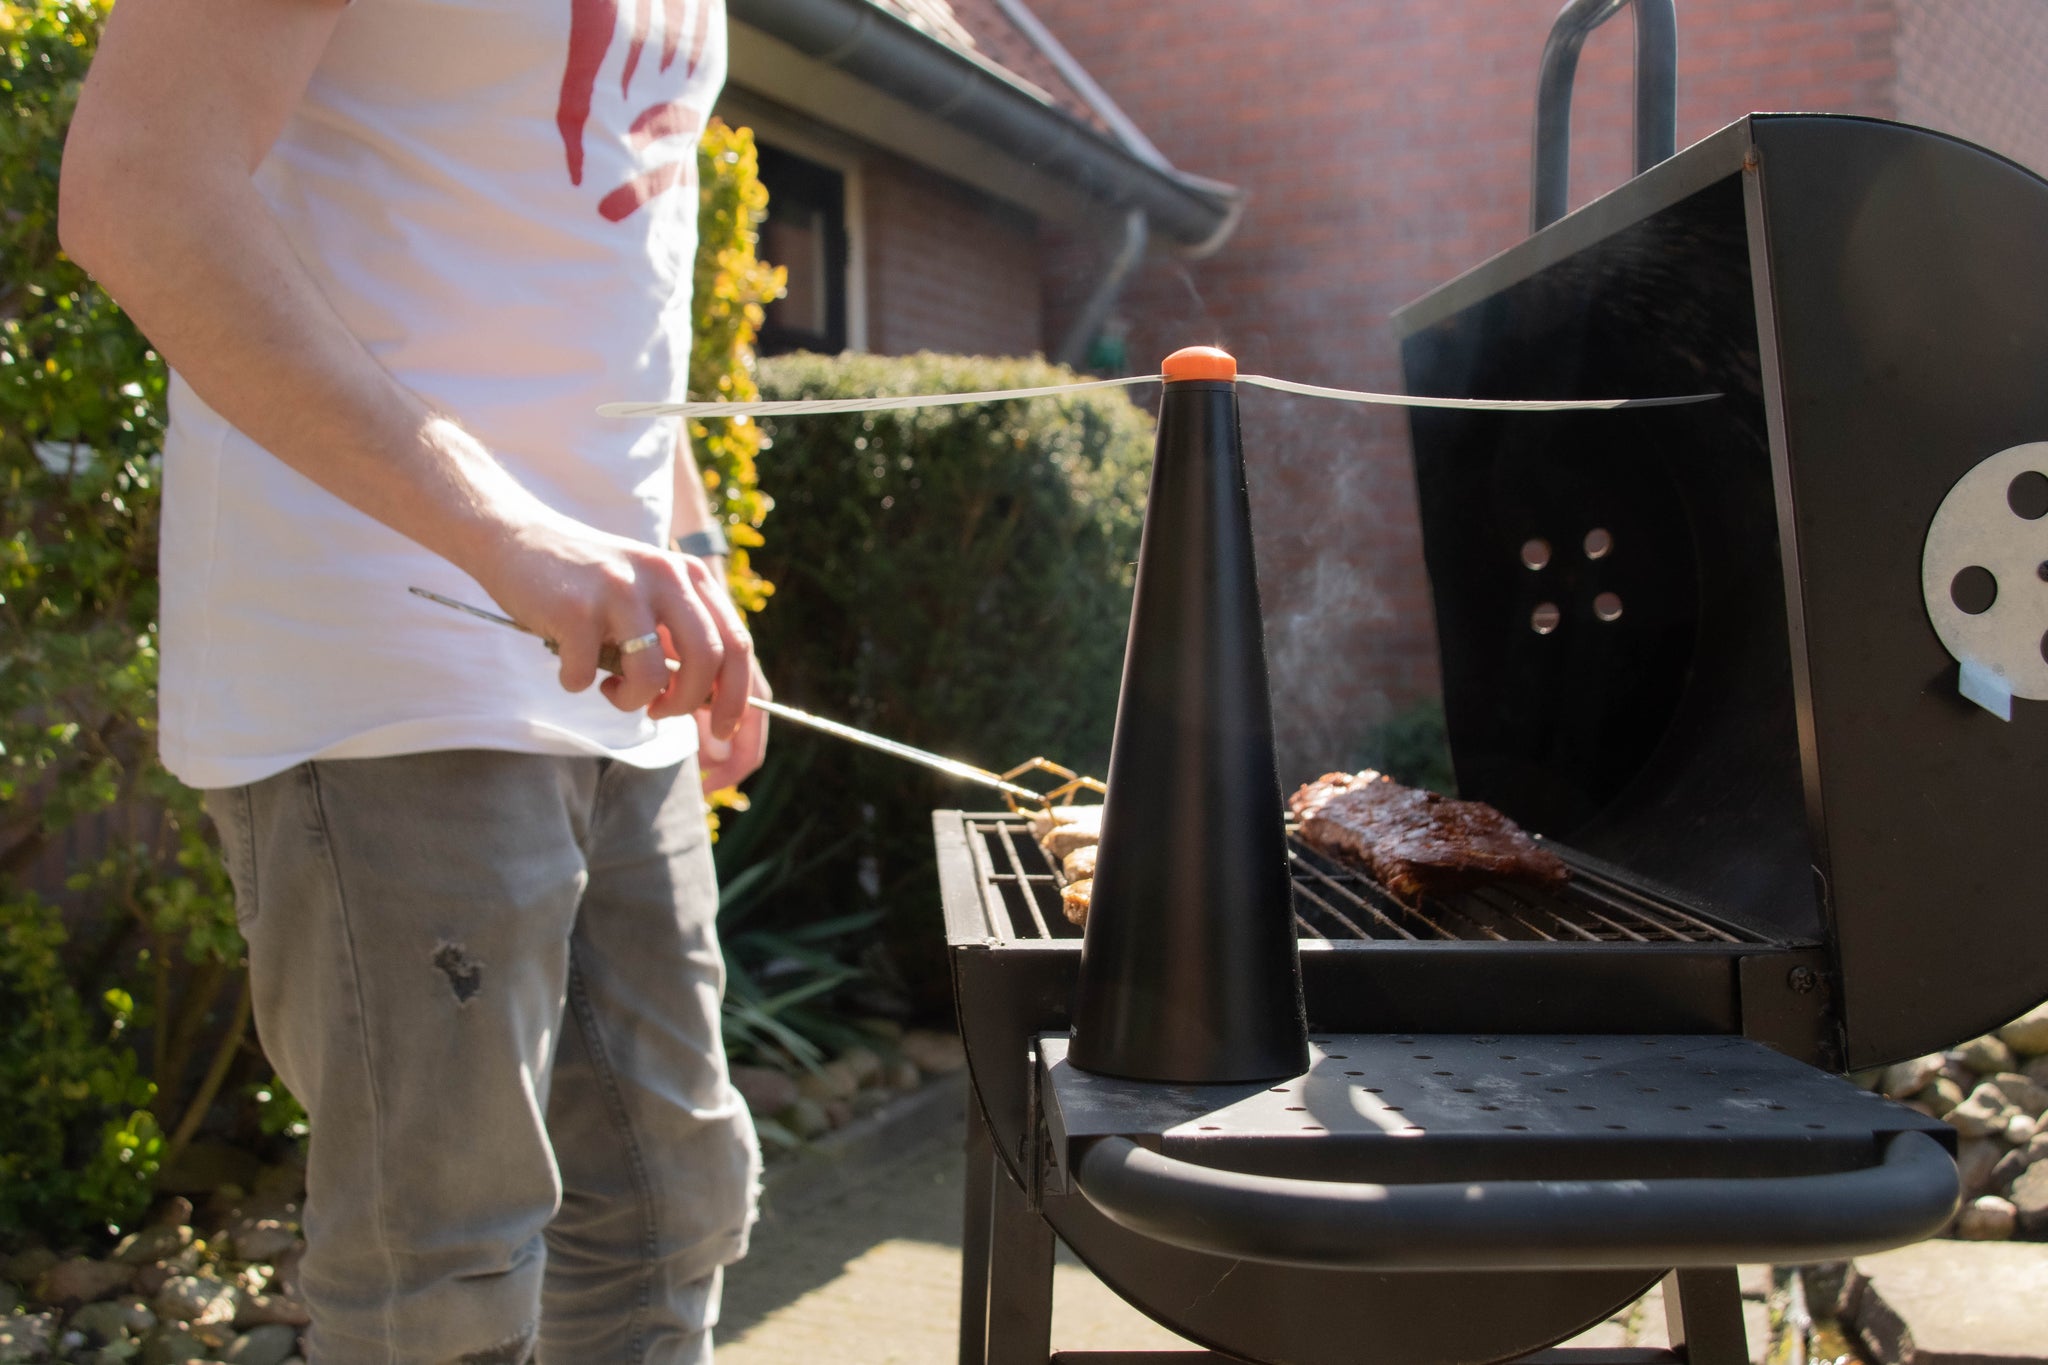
(592, 26)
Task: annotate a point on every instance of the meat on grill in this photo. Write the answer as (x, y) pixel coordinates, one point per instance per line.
(1074, 899)
(1062, 829)
(1069, 834)
(1418, 843)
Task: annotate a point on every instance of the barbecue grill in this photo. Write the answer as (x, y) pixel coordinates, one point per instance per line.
(1702, 652)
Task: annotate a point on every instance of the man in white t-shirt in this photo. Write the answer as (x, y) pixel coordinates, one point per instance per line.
(396, 252)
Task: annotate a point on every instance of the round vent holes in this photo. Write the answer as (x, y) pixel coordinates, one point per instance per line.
(1536, 553)
(1607, 606)
(2027, 495)
(1545, 618)
(1599, 543)
(1974, 590)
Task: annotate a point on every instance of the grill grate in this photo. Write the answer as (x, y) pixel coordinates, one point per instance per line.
(1020, 892)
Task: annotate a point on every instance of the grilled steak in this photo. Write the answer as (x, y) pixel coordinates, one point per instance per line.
(1417, 843)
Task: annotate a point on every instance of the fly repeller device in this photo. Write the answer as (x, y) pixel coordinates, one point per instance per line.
(1190, 972)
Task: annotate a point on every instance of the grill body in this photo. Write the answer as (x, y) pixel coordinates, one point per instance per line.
(1689, 647)
(1770, 727)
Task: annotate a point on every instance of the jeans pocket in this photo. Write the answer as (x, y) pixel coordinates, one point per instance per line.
(233, 810)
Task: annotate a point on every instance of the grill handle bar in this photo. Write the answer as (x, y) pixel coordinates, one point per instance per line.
(1525, 1224)
(1656, 95)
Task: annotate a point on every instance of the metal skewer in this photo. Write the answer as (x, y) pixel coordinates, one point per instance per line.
(608, 660)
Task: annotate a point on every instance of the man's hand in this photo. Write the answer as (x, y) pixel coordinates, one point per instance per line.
(585, 589)
(729, 762)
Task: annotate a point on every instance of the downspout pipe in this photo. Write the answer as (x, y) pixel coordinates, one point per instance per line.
(1073, 348)
(984, 100)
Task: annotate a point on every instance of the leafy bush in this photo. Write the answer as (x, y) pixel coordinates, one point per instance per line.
(731, 287)
(119, 1037)
(1413, 747)
(957, 578)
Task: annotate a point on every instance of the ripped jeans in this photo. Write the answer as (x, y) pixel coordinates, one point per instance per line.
(493, 980)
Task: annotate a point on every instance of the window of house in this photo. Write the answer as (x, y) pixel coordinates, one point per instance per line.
(805, 233)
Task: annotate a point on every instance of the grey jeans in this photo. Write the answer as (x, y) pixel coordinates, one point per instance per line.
(493, 980)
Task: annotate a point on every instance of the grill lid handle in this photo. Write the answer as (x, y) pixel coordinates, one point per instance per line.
(1656, 95)
(1525, 1224)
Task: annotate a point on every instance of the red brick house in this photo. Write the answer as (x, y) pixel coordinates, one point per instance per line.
(1381, 149)
(918, 154)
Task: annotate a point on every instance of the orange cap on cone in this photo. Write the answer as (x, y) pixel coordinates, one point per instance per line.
(1200, 362)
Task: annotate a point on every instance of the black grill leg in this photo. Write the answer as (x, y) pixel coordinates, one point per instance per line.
(1019, 1277)
(1703, 1309)
(975, 1234)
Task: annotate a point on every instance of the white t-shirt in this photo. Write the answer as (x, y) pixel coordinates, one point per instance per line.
(500, 199)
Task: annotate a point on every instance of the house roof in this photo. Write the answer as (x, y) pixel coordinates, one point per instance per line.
(980, 28)
(980, 73)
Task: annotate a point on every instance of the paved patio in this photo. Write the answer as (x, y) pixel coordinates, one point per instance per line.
(860, 1265)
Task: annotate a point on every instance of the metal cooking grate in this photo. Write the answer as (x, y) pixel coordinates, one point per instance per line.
(1020, 892)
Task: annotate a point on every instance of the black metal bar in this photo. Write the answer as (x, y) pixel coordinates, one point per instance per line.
(1703, 1310)
(1154, 1358)
(1594, 907)
(1496, 900)
(1656, 96)
(975, 1234)
(1303, 863)
(1524, 1224)
(1309, 892)
(999, 921)
(1020, 1279)
(1593, 1355)
(1452, 908)
(1024, 880)
(1614, 892)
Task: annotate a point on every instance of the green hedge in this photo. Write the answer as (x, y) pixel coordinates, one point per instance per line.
(957, 578)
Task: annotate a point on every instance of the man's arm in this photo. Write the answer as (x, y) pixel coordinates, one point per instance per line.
(724, 763)
(183, 102)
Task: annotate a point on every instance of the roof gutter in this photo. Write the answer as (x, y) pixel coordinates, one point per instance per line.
(988, 102)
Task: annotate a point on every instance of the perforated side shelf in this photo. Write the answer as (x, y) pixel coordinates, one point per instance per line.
(1413, 1108)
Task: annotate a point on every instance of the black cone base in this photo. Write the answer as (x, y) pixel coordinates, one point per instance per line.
(1190, 971)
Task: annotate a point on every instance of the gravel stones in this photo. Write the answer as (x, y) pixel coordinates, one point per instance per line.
(30, 1337)
(1904, 1080)
(1976, 1159)
(1993, 1090)
(2028, 1034)
(1986, 1055)
(936, 1054)
(196, 1299)
(159, 1243)
(261, 1239)
(26, 1267)
(2022, 1091)
(270, 1345)
(111, 1321)
(2030, 1201)
(258, 1310)
(1986, 1109)
(1987, 1218)
(81, 1280)
(765, 1090)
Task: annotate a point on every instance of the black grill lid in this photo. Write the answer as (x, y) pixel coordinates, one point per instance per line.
(1723, 676)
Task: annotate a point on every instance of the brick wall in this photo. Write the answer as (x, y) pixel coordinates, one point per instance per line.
(1978, 69)
(1385, 147)
(948, 268)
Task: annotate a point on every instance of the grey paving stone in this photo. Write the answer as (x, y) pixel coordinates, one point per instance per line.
(1951, 1303)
